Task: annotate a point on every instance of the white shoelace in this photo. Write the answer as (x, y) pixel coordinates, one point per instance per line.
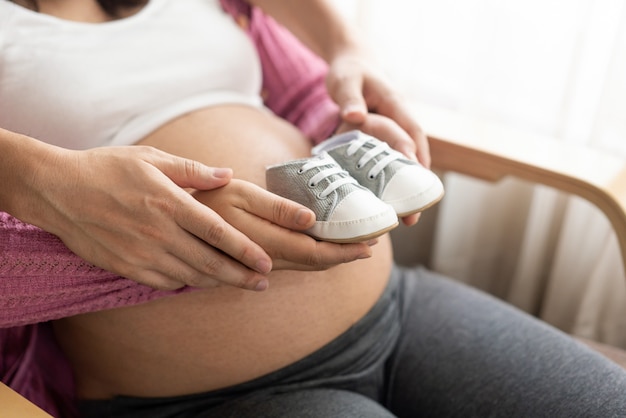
(378, 149)
(326, 173)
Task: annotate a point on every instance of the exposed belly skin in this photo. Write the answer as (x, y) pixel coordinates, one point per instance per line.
(214, 338)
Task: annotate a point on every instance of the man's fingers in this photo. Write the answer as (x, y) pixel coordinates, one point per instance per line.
(157, 280)
(188, 173)
(216, 270)
(209, 227)
(182, 259)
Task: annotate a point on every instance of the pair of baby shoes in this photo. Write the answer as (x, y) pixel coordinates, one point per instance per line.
(356, 185)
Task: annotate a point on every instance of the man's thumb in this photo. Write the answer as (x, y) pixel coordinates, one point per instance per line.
(189, 173)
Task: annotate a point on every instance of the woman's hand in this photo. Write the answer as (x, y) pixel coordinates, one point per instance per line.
(367, 102)
(249, 208)
(359, 89)
(387, 130)
(124, 209)
(352, 81)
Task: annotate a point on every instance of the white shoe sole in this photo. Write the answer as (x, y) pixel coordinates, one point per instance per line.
(357, 230)
(418, 203)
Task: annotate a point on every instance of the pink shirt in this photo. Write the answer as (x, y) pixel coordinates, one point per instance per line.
(42, 280)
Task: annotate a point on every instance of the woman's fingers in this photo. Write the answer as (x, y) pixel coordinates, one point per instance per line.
(149, 229)
(360, 90)
(273, 208)
(203, 223)
(309, 254)
(272, 222)
(135, 219)
(395, 109)
(172, 273)
(344, 83)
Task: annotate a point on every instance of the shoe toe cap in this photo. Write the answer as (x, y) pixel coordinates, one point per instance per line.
(409, 181)
(412, 188)
(360, 204)
(359, 214)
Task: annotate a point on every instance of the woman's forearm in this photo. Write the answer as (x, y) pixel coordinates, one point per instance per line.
(316, 23)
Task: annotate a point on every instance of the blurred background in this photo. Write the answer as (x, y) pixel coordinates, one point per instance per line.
(549, 67)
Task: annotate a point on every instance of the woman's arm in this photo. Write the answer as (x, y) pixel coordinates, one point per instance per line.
(364, 99)
(119, 197)
(293, 77)
(316, 23)
(353, 81)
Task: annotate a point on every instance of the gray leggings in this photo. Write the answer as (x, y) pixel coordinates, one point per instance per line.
(430, 347)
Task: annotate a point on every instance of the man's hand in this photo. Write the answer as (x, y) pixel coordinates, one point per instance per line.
(125, 209)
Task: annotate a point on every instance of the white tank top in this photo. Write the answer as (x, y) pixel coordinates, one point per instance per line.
(84, 85)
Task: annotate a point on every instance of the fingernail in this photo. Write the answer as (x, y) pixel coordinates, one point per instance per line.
(221, 173)
(372, 242)
(352, 108)
(365, 255)
(263, 266)
(304, 216)
(410, 154)
(262, 285)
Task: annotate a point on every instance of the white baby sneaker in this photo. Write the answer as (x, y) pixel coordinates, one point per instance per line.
(344, 210)
(406, 185)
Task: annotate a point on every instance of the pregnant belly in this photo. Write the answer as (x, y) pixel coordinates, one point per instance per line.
(218, 337)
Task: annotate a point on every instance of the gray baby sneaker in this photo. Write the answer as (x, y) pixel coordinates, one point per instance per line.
(406, 185)
(344, 210)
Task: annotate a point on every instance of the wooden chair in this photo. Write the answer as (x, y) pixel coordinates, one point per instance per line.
(13, 405)
(490, 152)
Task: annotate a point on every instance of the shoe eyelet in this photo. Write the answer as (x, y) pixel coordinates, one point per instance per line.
(311, 185)
(371, 177)
(300, 171)
(358, 166)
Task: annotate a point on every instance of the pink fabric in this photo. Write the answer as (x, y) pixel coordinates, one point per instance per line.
(32, 364)
(293, 77)
(295, 89)
(42, 280)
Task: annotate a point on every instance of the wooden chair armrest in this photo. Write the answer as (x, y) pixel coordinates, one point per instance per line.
(14, 405)
(491, 152)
